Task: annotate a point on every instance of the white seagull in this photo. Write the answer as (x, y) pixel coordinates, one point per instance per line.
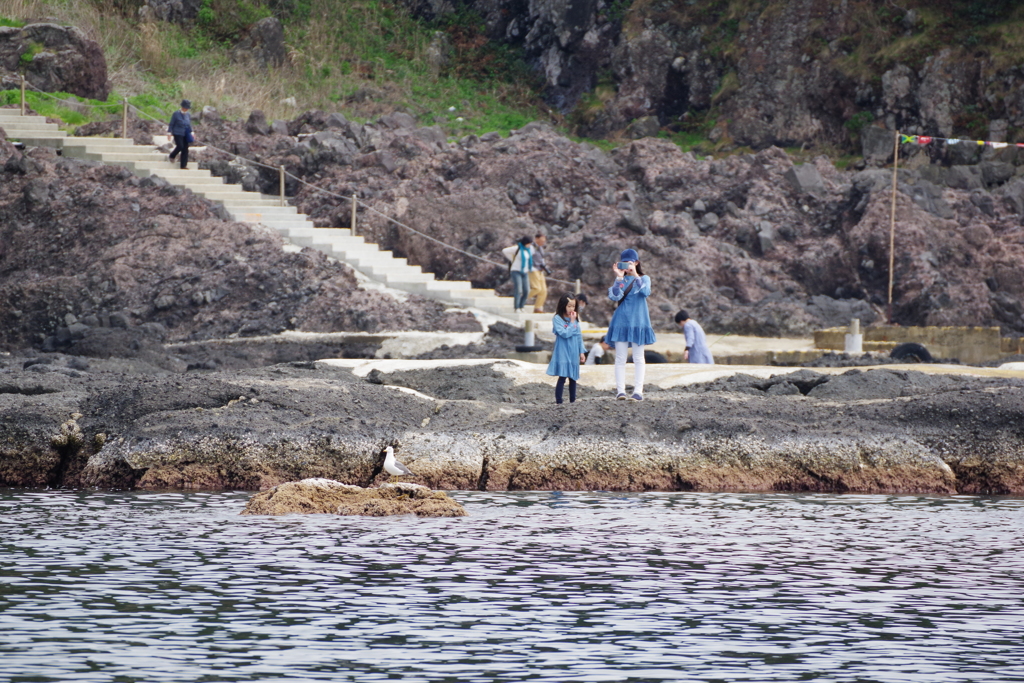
(392, 466)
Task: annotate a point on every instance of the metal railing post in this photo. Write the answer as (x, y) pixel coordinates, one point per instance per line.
(353, 213)
(282, 185)
(124, 119)
(22, 95)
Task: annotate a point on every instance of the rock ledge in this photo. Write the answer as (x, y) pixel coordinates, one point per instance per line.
(327, 496)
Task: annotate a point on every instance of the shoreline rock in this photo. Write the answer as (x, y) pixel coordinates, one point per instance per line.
(326, 496)
(493, 426)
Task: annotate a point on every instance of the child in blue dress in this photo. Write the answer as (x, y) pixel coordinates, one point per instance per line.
(631, 322)
(569, 350)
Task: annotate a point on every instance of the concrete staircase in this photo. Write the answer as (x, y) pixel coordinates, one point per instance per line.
(251, 207)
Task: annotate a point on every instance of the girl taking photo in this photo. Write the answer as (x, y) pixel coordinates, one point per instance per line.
(569, 350)
(631, 322)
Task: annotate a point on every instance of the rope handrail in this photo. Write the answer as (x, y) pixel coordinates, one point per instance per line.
(316, 188)
(75, 102)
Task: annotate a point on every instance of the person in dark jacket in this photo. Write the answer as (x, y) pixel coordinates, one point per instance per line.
(181, 129)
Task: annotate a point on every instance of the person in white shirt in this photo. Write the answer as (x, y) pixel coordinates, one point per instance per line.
(597, 352)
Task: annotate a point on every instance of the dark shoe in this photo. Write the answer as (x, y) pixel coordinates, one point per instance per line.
(637, 397)
(621, 397)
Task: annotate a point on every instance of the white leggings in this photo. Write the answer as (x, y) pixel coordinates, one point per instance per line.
(620, 368)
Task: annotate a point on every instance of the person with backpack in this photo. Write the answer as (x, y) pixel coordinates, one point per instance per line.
(520, 266)
(180, 129)
(631, 322)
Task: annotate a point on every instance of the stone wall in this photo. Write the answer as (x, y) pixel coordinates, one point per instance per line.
(968, 344)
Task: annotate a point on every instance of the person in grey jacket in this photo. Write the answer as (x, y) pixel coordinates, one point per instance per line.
(181, 129)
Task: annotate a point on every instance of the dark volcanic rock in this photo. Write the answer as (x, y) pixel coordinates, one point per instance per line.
(175, 11)
(97, 244)
(743, 242)
(870, 431)
(263, 45)
(59, 59)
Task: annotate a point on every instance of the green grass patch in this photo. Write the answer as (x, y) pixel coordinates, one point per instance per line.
(12, 23)
(846, 160)
(76, 111)
(30, 53)
(689, 141)
(601, 143)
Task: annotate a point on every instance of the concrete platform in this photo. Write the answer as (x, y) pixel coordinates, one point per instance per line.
(662, 375)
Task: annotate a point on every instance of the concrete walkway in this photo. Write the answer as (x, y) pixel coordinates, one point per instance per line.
(663, 375)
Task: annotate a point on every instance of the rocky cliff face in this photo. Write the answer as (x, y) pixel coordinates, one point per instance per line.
(799, 72)
(751, 243)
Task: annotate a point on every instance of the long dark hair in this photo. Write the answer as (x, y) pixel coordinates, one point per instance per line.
(639, 270)
(563, 303)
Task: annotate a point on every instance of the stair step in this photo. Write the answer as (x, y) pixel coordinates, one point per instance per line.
(235, 192)
(168, 172)
(194, 180)
(105, 148)
(28, 126)
(18, 120)
(296, 220)
(129, 156)
(242, 207)
(432, 287)
(47, 140)
(389, 273)
(235, 196)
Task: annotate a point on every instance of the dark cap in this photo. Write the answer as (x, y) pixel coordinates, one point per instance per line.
(185, 104)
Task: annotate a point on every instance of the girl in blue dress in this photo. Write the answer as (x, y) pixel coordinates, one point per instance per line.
(631, 322)
(569, 350)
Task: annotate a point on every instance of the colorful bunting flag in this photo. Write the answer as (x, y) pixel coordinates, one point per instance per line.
(927, 140)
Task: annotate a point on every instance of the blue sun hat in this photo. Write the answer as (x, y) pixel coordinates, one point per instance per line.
(629, 255)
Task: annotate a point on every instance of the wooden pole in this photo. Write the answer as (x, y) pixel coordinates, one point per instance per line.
(281, 174)
(353, 213)
(22, 95)
(124, 119)
(892, 219)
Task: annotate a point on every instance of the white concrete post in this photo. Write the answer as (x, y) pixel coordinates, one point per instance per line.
(528, 336)
(281, 171)
(854, 339)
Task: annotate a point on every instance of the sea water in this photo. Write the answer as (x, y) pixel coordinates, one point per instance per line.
(137, 586)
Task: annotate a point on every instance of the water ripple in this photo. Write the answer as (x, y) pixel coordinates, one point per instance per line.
(100, 586)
